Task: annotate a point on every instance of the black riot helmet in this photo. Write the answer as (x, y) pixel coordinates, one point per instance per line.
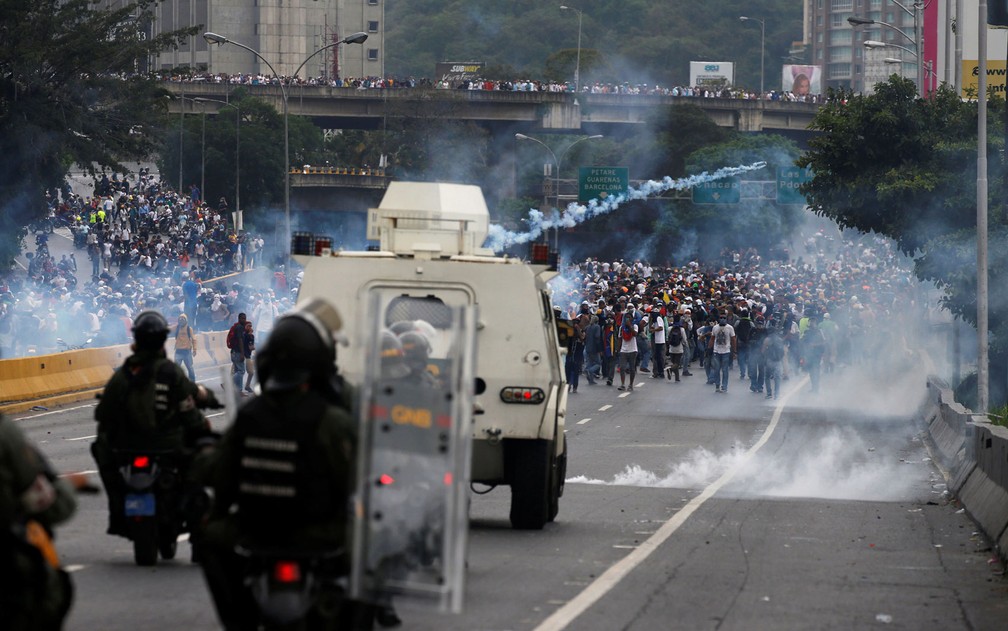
(150, 330)
(301, 347)
(416, 350)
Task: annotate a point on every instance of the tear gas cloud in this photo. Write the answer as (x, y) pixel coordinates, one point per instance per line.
(576, 214)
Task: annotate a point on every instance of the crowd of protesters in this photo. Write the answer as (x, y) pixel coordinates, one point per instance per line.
(511, 85)
(138, 245)
(845, 303)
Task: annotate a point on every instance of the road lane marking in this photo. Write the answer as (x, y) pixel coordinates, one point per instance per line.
(619, 547)
(583, 421)
(79, 407)
(621, 569)
(604, 407)
(82, 437)
(73, 568)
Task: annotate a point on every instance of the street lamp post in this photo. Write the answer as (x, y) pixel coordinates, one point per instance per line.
(577, 66)
(239, 221)
(557, 162)
(762, 30)
(917, 40)
(220, 40)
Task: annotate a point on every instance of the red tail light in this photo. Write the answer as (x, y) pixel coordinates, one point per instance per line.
(287, 572)
(385, 479)
(141, 462)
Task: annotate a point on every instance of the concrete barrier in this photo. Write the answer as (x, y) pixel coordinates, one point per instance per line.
(72, 376)
(975, 453)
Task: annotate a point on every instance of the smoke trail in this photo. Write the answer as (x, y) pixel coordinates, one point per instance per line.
(499, 238)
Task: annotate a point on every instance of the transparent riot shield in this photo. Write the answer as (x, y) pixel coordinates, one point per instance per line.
(416, 405)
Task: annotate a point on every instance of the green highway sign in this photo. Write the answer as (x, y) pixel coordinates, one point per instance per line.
(601, 182)
(727, 190)
(788, 181)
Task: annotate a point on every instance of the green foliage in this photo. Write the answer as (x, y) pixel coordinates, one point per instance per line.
(895, 164)
(905, 167)
(64, 101)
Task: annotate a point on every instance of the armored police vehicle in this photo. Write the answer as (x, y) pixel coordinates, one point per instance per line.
(430, 258)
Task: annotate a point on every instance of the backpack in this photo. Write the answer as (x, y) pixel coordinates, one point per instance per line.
(233, 339)
(675, 336)
(775, 350)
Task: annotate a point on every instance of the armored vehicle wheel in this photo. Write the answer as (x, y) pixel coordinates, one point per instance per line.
(531, 486)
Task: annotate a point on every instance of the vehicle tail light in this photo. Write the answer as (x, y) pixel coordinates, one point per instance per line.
(141, 462)
(519, 394)
(287, 572)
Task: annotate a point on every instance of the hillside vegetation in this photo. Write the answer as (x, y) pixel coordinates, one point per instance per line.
(638, 41)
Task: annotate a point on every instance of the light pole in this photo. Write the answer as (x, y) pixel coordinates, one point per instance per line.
(220, 40)
(577, 66)
(557, 162)
(917, 40)
(182, 99)
(239, 221)
(762, 31)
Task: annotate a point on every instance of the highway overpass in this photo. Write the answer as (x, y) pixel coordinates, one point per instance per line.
(350, 108)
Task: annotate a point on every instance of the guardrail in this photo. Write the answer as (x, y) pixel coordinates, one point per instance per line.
(975, 453)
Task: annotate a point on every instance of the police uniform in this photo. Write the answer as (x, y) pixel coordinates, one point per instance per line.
(283, 472)
(148, 404)
(35, 593)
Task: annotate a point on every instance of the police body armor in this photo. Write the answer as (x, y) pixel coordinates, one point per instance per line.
(279, 481)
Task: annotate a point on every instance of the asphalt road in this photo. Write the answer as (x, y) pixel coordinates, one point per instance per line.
(684, 509)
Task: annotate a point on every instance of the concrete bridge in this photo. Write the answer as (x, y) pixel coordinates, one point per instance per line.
(349, 108)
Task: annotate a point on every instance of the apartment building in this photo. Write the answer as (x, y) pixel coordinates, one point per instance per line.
(284, 32)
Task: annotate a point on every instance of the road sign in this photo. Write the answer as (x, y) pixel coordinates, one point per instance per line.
(727, 190)
(601, 182)
(788, 181)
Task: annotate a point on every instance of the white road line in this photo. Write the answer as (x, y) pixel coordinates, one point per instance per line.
(82, 437)
(619, 547)
(583, 421)
(604, 408)
(73, 568)
(611, 577)
(79, 407)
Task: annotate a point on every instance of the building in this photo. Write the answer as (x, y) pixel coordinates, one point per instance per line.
(838, 47)
(284, 32)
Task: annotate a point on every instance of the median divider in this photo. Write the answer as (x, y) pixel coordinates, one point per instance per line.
(73, 376)
(975, 453)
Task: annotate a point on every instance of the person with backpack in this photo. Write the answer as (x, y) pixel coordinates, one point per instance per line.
(773, 352)
(676, 345)
(236, 344)
(185, 345)
(148, 404)
(628, 350)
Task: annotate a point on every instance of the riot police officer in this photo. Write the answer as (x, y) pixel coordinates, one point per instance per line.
(35, 592)
(148, 404)
(283, 471)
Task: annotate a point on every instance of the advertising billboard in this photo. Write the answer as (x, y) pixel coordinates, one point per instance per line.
(802, 80)
(717, 74)
(456, 73)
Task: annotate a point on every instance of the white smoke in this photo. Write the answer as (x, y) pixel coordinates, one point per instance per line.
(499, 238)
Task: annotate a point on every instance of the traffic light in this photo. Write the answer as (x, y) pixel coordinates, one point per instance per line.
(997, 12)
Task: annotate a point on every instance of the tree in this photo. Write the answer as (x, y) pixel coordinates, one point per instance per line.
(70, 94)
(905, 167)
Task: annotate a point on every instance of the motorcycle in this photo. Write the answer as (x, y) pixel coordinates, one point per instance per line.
(157, 503)
(298, 589)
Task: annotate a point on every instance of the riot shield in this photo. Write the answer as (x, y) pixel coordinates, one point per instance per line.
(411, 517)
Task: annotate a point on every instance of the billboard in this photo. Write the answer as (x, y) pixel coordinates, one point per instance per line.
(456, 73)
(996, 71)
(802, 80)
(716, 74)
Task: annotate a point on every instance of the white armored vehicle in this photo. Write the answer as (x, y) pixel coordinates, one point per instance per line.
(429, 258)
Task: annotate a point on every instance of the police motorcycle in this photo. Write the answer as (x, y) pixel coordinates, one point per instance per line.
(158, 506)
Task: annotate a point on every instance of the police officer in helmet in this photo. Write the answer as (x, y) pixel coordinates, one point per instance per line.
(148, 404)
(283, 471)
